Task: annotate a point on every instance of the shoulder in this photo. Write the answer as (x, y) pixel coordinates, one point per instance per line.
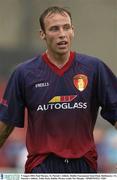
(86, 59)
(30, 63)
(27, 66)
(90, 62)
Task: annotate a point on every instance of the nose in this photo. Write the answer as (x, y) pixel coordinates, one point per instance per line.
(62, 33)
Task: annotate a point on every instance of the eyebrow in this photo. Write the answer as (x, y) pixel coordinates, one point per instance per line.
(67, 24)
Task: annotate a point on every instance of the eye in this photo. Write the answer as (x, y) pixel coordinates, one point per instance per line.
(54, 28)
(67, 27)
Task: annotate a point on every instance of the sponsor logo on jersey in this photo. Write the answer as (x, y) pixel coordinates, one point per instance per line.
(63, 98)
(43, 84)
(80, 81)
(62, 102)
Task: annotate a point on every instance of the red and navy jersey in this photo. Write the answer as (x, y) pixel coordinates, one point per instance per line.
(62, 105)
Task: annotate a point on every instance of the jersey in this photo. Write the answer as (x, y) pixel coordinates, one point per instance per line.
(62, 106)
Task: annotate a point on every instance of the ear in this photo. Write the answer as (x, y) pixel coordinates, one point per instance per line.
(42, 34)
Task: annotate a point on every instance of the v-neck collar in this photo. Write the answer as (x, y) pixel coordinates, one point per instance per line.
(59, 71)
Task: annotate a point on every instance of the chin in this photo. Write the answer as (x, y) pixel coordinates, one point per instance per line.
(63, 51)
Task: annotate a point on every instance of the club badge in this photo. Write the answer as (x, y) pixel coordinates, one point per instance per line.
(80, 81)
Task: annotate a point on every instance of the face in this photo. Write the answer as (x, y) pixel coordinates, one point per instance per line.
(58, 33)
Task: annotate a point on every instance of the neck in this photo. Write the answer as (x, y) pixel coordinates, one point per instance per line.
(58, 59)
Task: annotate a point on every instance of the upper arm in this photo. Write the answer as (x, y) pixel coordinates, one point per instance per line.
(12, 105)
(3, 126)
(116, 125)
(5, 131)
(107, 93)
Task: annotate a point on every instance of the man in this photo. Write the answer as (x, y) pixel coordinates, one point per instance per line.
(61, 116)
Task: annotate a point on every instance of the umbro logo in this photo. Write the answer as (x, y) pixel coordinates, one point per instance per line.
(43, 84)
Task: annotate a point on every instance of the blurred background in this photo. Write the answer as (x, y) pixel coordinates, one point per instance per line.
(95, 24)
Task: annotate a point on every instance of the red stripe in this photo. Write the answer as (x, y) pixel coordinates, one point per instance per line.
(72, 97)
(62, 99)
(67, 98)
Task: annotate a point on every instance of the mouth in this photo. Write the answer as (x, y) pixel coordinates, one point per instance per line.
(62, 44)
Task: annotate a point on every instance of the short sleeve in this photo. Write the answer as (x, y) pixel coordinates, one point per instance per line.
(12, 106)
(107, 93)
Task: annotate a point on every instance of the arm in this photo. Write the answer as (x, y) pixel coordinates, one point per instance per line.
(5, 131)
(116, 125)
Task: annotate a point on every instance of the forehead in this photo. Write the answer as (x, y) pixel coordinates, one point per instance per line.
(57, 19)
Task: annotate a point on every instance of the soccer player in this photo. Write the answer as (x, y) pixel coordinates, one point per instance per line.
(62, 91)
